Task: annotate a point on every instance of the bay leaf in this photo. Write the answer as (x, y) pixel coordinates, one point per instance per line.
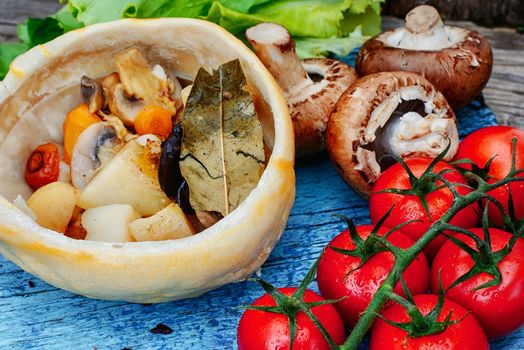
(222, 157)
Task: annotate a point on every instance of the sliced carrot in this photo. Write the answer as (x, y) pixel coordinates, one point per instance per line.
(154, 120)
(76, 121)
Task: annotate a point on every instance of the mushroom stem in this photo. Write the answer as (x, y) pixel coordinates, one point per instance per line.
(276, 49)
(423, 19)
(424, 30)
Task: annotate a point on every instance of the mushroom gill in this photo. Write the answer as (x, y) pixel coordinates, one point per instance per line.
(388, 115)
(95, 147)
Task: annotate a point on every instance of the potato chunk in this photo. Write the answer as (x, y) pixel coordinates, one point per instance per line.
(53, 205)
(129, 178)
(169, 223)
(109, 223)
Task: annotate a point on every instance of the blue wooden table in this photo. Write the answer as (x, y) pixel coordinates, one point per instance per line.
(35, 315)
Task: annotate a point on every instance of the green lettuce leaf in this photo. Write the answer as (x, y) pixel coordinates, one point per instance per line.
(313, 18)
(67, 20)
(8, 52)
(322, 27)
(36, 31)
(97, 11)
(316, 33)
(369, 21)
(233, 21)
(335, 46)
(244, 6)
(360, 6)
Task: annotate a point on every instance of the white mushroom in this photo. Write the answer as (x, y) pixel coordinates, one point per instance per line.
(170, 84)
(457, 61)
(312, 86)
(384, 115)
(424, 30)
(139, 85)
(95, 146)
(122, 105)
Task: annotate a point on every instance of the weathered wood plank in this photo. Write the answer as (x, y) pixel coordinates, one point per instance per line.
(482, 11)
(502, 38)
(43, 317)
(505, 90)
(15, 11)
(7, 32)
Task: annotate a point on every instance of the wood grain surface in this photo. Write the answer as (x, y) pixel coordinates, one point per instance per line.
(482, 11)
(38, 316)
(35, 315)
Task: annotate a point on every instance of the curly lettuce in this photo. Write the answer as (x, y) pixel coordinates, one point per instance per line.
(320, 27)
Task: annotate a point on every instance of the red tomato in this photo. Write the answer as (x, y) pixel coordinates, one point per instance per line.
(499, 309)
(464, 335)
(261, 330)
(43, 166)
(485, 143)
(409, 207)
(360, 286)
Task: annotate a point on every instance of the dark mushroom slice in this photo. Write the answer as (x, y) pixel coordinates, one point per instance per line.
(384, 115)
(312, 86)
(457, 61)
(95, 146)
(175, 186)
(169, 176)
(93, 94)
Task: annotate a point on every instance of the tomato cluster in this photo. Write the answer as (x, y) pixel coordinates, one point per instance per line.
(474, 271)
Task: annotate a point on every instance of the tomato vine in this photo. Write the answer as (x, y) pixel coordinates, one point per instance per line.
(403, 257)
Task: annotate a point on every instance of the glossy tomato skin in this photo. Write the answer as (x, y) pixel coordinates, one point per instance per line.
(409, 207)
(464, 335)
(499, 309)
(483, 144)
(260, 330)
(502, 195)
(359, 287)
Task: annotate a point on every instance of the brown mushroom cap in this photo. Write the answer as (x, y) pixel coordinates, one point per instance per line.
(460, 71)
(311, 86)
(372, 120)
(309, 110)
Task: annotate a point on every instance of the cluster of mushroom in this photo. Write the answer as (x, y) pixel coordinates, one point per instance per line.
(103, 184)
(411, 79)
